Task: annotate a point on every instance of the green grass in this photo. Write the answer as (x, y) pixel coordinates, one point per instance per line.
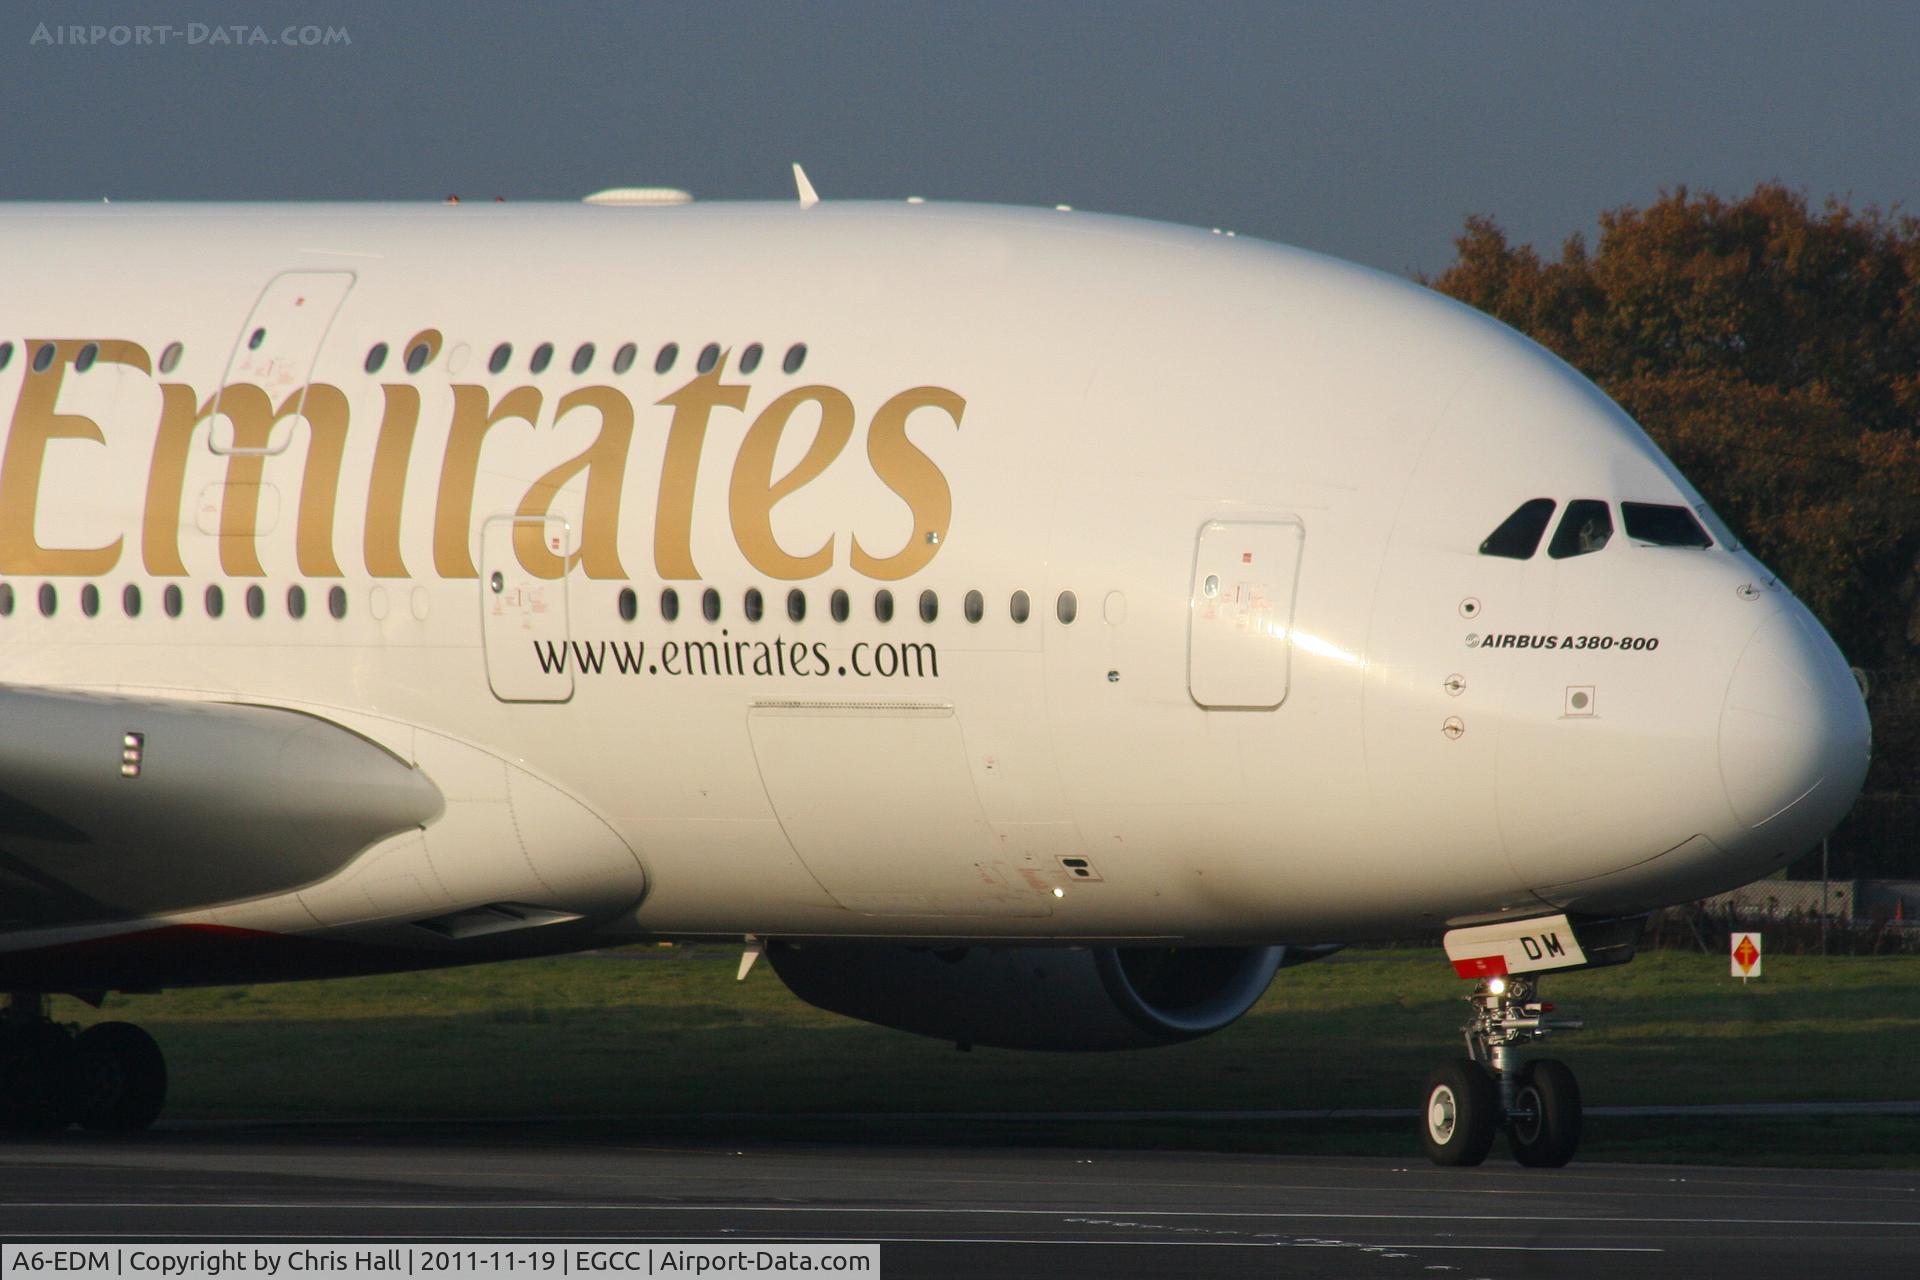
(665, 1042)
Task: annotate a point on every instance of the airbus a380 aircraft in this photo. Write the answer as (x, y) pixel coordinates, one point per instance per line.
(1031, 628)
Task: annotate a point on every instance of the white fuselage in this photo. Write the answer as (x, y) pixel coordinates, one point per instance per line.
(1294, 701)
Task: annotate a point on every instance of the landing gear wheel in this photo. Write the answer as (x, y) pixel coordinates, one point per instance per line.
(1457, 1123)
(1544, 1128)
(37, 1093)
(123, 1078)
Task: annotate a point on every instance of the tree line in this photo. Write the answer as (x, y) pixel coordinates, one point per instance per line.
(1772, 349)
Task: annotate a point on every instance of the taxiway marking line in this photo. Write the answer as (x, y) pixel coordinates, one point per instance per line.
(1265, 1215)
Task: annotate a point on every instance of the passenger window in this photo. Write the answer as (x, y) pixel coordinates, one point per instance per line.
(796, 356)
(542, 357)
(169, 359)
(172, 600)
(1019, 607)
(1518, 536)
(130, 600)
(296, 601)
(88, 354)
(1066, 608)
(43, 358)
(974, 606)
(216, 601)
(256, 602)
(710, 605)
(883, 605)
(583, 358)
(623, 358)
(337, 602)
(49, 599)
(839, 606)
(90, 600)
(501, 355)
(376, 357)
(259, 337)
(1662, 526)
(629, 605)
(417, 356)
(797, 605)
(6, 354)
(756, 606)
(670, 604)
(750, 358)
(668, 354)
(929, 606)
(709, 357)
(1583, 530)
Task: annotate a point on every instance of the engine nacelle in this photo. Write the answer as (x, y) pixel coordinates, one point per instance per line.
(1032, 997)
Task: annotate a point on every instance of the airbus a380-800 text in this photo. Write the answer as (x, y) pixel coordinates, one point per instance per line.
(1027, 628)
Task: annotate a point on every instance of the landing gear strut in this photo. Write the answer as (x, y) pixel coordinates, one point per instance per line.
(1469, 1098)
(110, 1077)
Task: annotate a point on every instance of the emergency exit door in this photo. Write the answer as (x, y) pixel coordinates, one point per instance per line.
(523, 618)
(277, 349)
(1240, 623)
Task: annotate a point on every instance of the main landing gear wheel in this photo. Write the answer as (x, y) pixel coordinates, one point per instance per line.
(109, 1077)
(1457, 1128)
(1543, 1128)
(123, 1078)
(1468, 1099)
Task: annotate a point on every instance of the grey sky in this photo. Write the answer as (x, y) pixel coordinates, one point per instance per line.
(1367, 130)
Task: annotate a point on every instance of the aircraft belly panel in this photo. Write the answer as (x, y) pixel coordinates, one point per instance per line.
(505, 836)
(878, 801)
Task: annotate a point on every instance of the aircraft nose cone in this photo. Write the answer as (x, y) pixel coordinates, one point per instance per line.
(1794, 734)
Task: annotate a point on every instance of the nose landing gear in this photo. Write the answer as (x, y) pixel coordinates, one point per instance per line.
(1469, 1098)
(1543, 1125)
(1461, 1105)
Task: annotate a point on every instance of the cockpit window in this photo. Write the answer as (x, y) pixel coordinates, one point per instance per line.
(1583, 530)
(1518, 536)
(1663, 526)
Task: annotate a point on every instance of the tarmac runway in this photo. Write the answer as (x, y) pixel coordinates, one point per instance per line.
(1043, 1212)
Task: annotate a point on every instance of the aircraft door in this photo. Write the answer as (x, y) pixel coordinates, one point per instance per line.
(1240, 619)
(278, 347)
(523, 618)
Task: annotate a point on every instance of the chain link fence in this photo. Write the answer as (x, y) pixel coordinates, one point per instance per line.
(1799, 917)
